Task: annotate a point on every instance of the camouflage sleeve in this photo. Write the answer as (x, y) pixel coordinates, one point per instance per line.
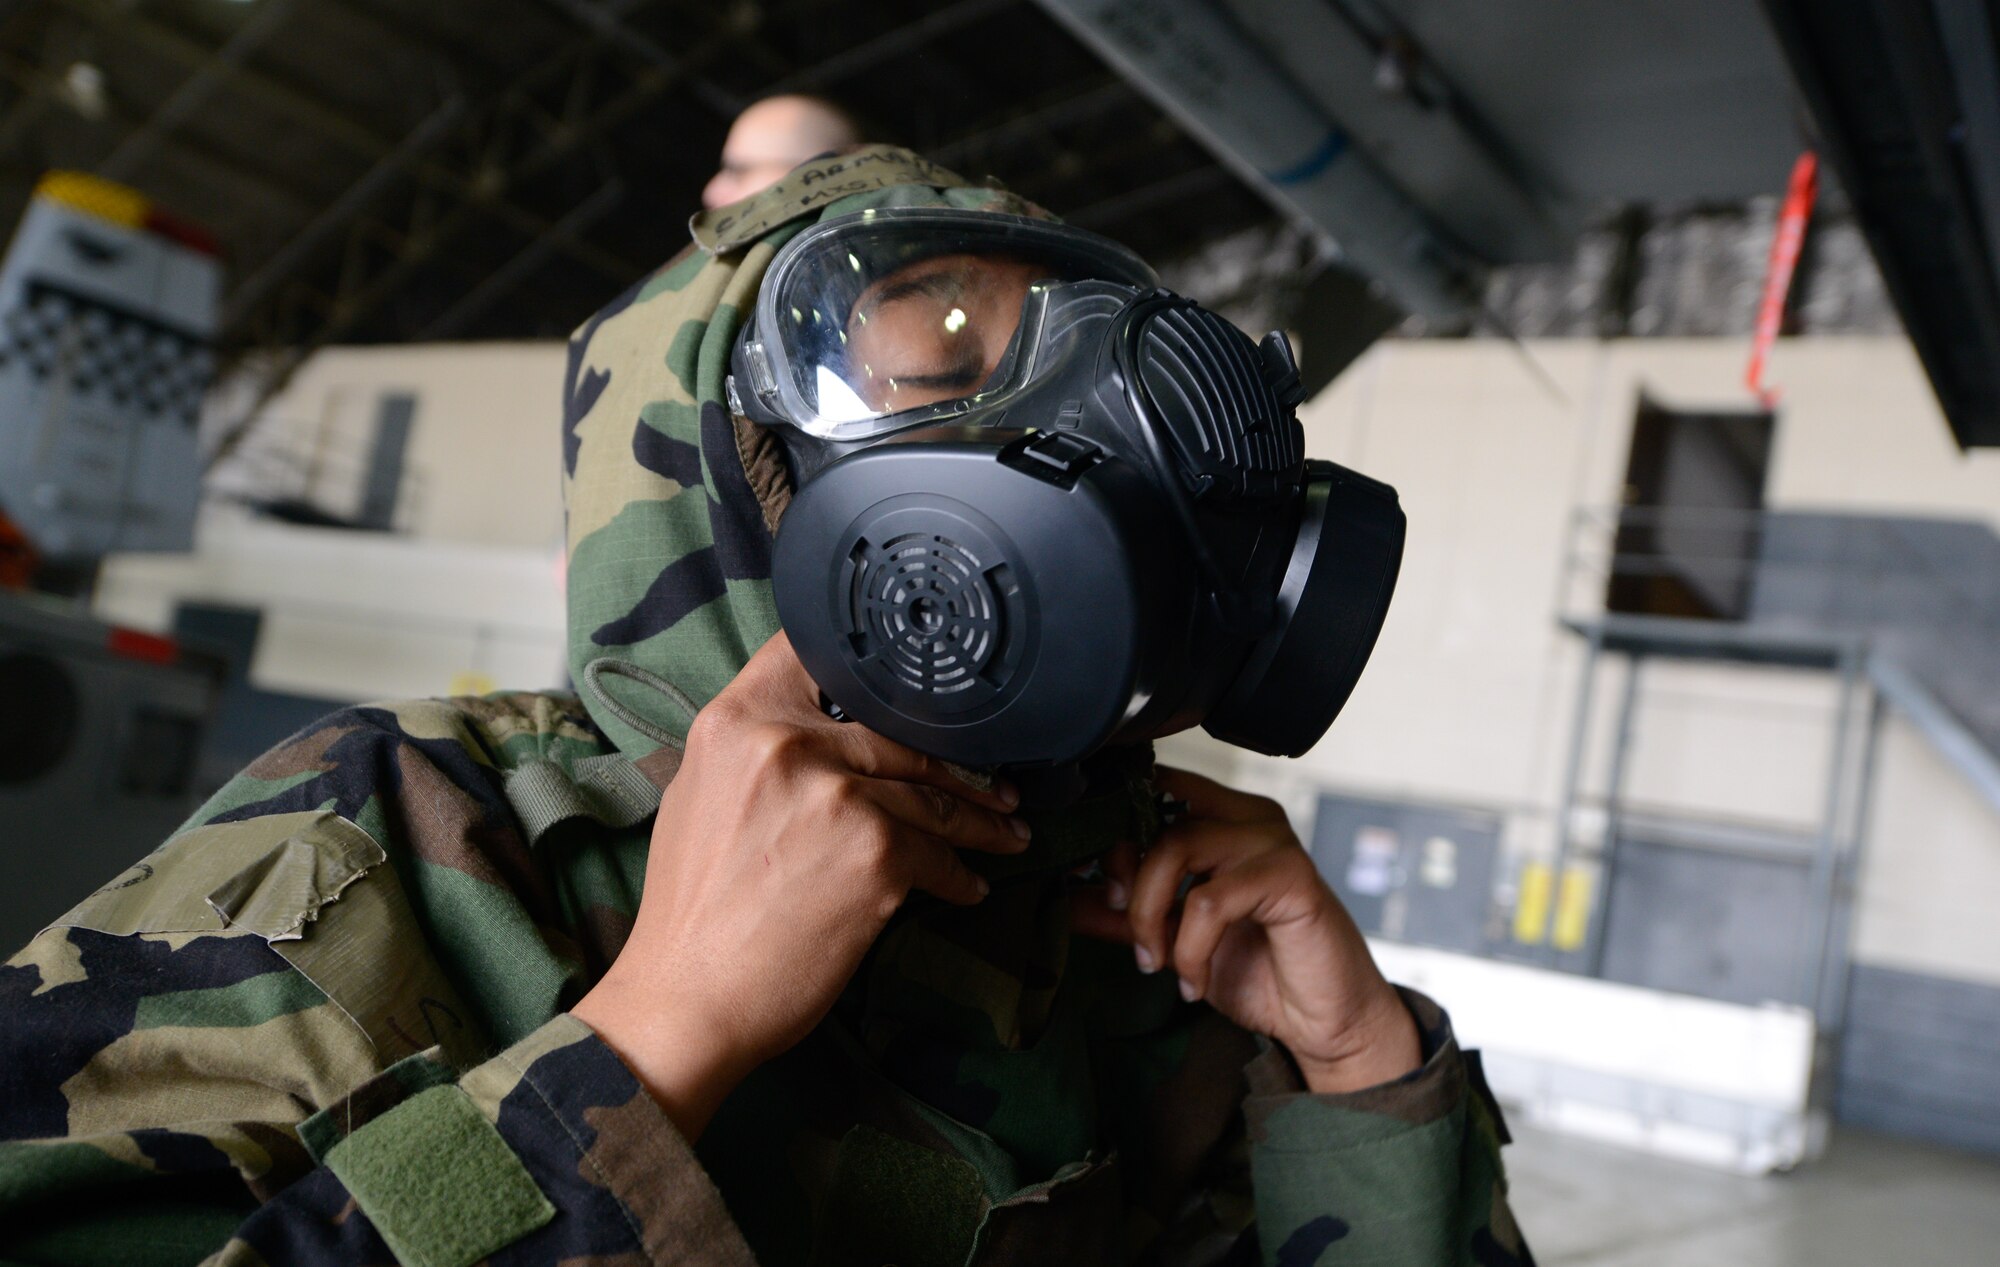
(158, 1145)
(244, 1050)
(150, 1097)
(1407, 1174)
(549, 1152)
(100, 1160)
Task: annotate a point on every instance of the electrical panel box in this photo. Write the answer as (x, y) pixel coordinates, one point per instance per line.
(1411, 873)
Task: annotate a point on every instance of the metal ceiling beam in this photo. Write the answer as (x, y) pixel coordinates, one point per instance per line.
(645, 88)
(34, 101)
(607, 19)
(1401, 56)
(351, 309)
(1109, 91)
(196, 89)
(1102, 214)
(1966, 27)
(871, 53)
(1199, 65)
(26, 111)
(334, 126)
(557, 146)
(1880, 81)
(46, 87)
(252, 290)
(501, 281)
(171, 45)
(409, 28)
(359, 296)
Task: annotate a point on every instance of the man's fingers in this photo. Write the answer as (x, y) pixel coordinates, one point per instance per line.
(938, 813)
(1153, 891)
(1120, 867)
(937, 870)
(1098, 910)
(882, 758)
(1198, 848)
(1208, 799)
(775, 670)
(1208, 913)
(1091, 914)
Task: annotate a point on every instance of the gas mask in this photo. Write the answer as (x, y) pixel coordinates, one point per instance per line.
(1043, 506)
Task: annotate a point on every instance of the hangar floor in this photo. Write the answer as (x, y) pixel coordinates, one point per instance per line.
(1870, 1200)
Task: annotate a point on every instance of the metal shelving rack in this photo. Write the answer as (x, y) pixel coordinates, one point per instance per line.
(1834, 847)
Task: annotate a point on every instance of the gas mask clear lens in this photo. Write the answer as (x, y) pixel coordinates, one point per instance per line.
(889, 319)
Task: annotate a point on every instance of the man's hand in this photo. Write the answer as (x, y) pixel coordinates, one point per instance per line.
(1260, 936)
(782, 847)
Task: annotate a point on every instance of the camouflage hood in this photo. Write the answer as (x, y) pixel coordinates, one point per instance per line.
(671, 501)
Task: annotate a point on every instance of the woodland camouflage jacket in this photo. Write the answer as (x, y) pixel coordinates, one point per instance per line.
(325, 1022)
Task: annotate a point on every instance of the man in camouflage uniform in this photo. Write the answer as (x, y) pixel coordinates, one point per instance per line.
(336, 1018)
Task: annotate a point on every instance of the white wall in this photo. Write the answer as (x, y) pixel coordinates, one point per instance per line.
(1468, 698)
(1930, 882)
(484, 448)
(359, 616)
(465, 597)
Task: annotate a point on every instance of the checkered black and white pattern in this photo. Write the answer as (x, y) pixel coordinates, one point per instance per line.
(121, 357)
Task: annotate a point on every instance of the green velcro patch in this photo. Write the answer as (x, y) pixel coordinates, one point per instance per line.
(379, 1096)
(438, 1182)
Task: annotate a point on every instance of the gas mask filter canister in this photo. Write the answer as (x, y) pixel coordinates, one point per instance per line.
(1043, 506)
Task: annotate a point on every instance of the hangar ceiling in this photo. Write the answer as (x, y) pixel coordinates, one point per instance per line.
(385, 170)
(1906, 98)
(394, 170)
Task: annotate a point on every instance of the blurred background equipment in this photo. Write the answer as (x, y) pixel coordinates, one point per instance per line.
(107, 309)
(1676, 772)
(101, 729)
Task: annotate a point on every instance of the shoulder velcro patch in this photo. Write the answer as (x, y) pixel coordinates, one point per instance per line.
(438, 1181)
(382, 1094)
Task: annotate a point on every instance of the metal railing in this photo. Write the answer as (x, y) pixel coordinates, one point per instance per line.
(1924, 593)
(1905, 611)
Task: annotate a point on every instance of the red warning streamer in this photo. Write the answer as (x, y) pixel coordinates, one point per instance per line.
(1791, 235)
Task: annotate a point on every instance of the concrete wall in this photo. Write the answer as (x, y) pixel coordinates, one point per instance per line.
(1468, 699)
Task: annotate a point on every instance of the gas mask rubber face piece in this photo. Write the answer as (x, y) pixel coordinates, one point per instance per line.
(1043, 505)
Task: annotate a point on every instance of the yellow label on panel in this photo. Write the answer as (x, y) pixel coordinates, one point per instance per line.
(1531, 909)
(1572, 910)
